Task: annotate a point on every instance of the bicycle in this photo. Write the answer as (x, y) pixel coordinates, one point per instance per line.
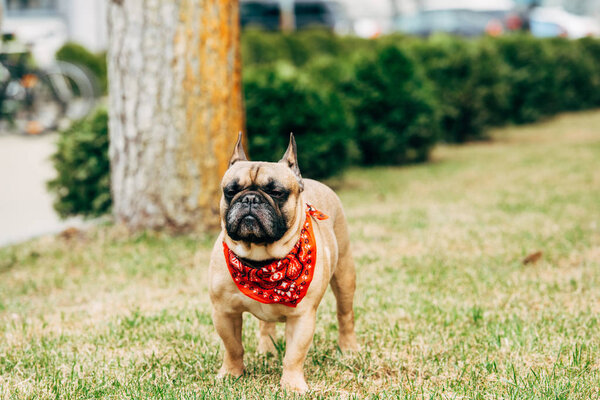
(35, 101)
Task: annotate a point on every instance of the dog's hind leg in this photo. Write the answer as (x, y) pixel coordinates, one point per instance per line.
(266, 335)
(343, 284)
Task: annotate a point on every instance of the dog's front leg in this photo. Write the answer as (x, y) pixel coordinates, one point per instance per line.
(299, 333)
(229, 328)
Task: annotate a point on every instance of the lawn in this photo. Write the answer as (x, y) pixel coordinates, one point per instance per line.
(445, 306)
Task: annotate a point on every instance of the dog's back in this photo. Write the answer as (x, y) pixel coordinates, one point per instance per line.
(324, 199)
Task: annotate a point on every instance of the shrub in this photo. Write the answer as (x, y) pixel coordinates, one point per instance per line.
(312, 43)
(548, 76)
(469, 80)
(95, 63)
(82, 184)
(329, 73)
(261, 47)
(281, 99)
(575, 74)
(394, 109)
(591, 49)
(533, 94)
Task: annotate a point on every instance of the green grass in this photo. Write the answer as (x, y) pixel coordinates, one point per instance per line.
(445, 307)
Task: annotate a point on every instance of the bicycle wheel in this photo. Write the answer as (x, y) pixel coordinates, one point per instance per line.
(37, 108)
(74, 86)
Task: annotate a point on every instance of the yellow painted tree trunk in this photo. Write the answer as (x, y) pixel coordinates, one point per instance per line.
(175, 109)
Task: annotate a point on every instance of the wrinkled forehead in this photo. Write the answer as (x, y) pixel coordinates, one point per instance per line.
(247, 173)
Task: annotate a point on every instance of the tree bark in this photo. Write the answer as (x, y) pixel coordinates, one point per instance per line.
(175, 109)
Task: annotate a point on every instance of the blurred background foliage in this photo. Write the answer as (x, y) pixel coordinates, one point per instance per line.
(94, 63)
(82, 182)
(357, 101)
(283, 98)
(396, 121)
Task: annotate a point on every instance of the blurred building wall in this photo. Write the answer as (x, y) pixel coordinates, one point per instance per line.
(86, 22)
(46, 25)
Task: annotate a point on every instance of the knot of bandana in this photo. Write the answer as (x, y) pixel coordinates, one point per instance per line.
(284, 281)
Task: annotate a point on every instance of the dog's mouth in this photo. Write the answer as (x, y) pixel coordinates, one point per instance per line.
(250, 227)
(254, 222)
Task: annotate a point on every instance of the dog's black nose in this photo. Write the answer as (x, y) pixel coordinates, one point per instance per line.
(251, 198)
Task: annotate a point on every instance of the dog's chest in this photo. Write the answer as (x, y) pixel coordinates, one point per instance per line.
(266, 312)
(237, 302)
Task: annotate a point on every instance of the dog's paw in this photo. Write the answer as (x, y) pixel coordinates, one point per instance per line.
(294, 383)
(234, 372)
(348, 343)
(266, 346)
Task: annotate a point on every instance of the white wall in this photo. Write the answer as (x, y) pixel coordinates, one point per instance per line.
(86, 22)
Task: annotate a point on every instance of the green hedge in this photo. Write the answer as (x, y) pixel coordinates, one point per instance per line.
(591, 50)
(470, 84)
(477, 83)
(354, 101)
(82, 184)
(283, 99)
(261, 47)
(394, 108)
(548, 76)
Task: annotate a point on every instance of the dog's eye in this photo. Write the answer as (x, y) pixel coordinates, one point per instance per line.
(229, 192)
(276, 193)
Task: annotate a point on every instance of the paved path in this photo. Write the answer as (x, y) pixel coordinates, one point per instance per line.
(25, 205)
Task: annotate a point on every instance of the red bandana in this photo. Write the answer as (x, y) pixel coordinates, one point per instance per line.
(283, 281)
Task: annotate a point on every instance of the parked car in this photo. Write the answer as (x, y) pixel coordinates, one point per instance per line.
(463, 18)
(266, 14)
(555, 21)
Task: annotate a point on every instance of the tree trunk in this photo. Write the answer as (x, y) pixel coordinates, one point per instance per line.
(175, 109)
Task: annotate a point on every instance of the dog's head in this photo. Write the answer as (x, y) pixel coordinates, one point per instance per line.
(260, 200)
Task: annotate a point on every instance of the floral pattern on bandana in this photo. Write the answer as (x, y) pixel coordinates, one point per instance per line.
(284, 281)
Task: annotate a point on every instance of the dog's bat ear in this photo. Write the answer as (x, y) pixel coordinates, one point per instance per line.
(290, 158)
(238, 152)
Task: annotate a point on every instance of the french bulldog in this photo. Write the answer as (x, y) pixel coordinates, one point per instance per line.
(283, 240)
